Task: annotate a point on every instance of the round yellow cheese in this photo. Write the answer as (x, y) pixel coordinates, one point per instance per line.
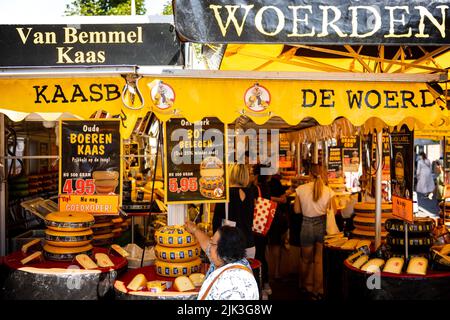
(177, 254)
(364, 223)
(68, 239)
(65, 253)
(364, 234)
(175, 237)
(369, 207)
(175, 269)
(69, 221)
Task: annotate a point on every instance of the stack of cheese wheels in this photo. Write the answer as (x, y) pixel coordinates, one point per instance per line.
(364, 220)
(420, 239)
(446, 215)
(68, 234)
(177, 252)
(103, 231)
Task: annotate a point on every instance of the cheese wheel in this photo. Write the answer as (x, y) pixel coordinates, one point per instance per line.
(364, 234)
(65, 254)
(394, 265)
(417, 265)
(373, 265)
(420, 225)
(102, 228)
(414, 242)
(102, 219)
(368, 224)
(369, 208)
(69, 221)
(177, 254)
(169, 269)
(174, 236)
(68, 239)
(211, 183)
(105, 175)
(103, 239)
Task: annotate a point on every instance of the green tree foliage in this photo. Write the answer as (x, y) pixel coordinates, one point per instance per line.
(168, 9)
(103, 7)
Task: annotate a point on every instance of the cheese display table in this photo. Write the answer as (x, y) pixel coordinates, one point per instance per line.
(54, 280)
(122, 293)
(435, 285)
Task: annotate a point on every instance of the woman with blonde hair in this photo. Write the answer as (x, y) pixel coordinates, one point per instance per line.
(312, 200)
(240, 206)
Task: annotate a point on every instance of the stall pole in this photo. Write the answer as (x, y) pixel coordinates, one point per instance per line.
(299, 158)
(2, 188)
(378, 189)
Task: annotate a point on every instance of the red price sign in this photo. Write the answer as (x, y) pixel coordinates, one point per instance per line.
(80, 187)
(184, 185)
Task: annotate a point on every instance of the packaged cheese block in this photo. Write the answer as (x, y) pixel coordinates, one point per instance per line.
(31, 257)
(68, 239)
(445, 250)
(103, 239)
(394, 265)
(360, 261)
(120, 250)
(65, 253)
(69, 221)
(103, 260)
(30, 244)
(420, 225)
(156, 286)
(174, 236)
(86, 262)
(138, 282)
(175, 269)
(417, 265)
(177, 254)
(350, 244)
(373, 265)
(364, 223)
(197, 279)
(102, 228)
(183, 284)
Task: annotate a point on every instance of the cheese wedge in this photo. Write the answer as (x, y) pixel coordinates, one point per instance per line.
(103, 260)
(394, 265)
(197, 279)
(338, 243)
(29, 244)
(373, 265)
(445, 250)
(350, 244)
(337, 235)
(335, 240)
(156, 286)
(183, 284)
(85, 261)
(138, 282)
(35, 255)
(362, 243)
(360, 261)
(120, 250)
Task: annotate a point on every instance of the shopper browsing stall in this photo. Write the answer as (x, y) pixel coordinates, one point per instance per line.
(229, 276)
(312, 200)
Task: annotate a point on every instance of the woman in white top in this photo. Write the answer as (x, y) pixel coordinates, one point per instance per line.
(312, 200)
(425, 183)
(230, 276)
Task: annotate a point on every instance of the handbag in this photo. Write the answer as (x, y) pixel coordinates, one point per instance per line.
(331, 225)
(263, 214)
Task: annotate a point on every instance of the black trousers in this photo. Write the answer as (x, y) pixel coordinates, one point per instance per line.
(260, 254)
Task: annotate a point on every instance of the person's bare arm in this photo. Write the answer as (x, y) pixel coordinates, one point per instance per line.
(297, 206)
(201, 237)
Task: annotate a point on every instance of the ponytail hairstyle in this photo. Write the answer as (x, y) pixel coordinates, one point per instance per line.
(318, 182)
